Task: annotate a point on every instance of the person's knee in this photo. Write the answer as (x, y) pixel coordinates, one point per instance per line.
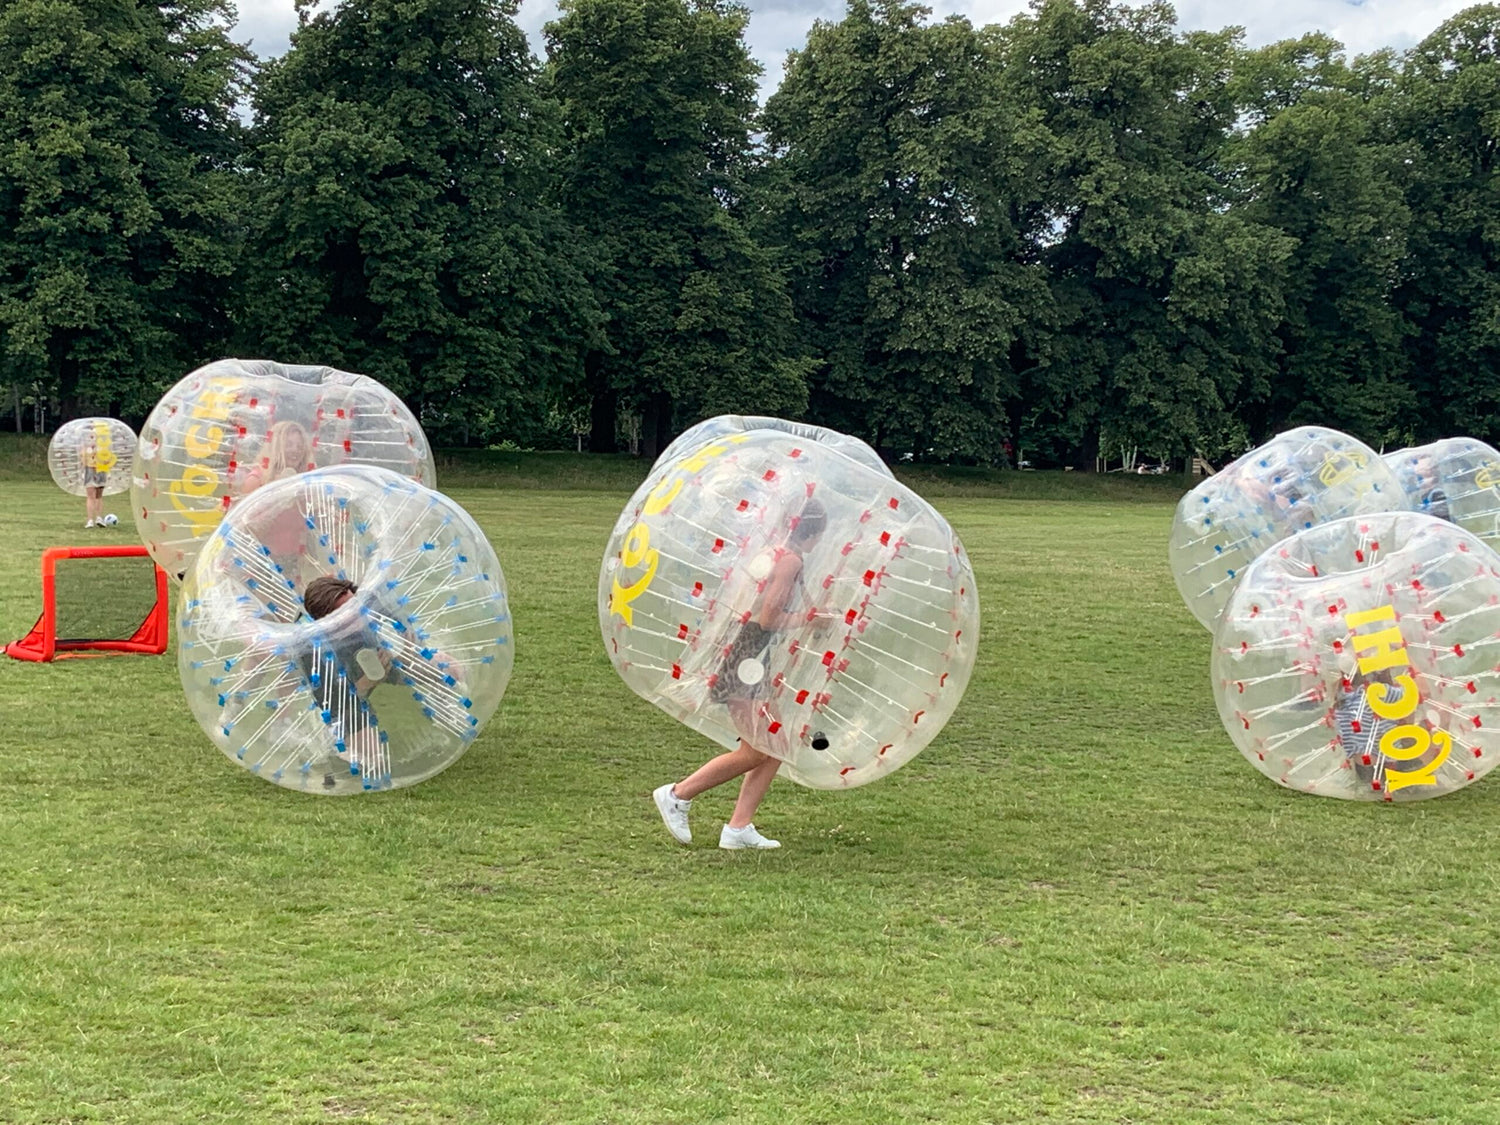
(758, 757)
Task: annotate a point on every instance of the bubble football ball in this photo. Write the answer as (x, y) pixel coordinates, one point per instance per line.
(1297, 480)
(1454, 479)
(1358, 659)
(88, 452)
(389, 688)
(234, 426)
(766, 585)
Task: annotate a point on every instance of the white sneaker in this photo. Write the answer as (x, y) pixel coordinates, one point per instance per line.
(746, 837)
(674, 813)
(89, 524)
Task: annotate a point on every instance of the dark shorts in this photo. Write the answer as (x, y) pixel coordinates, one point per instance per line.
(750, 643)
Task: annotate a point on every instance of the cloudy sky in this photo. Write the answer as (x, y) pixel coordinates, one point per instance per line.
(776, 26)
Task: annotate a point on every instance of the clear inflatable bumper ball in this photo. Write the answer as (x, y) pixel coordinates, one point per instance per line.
(92, 453)
(764, 584)
(1455, 479)
(1295, 481)
(1358, 659)
(234, 426)
(348, 690)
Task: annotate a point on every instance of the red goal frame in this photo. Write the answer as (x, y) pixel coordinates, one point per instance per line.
(41, 644)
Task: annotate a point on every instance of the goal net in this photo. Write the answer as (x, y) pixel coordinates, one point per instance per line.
(97, 600)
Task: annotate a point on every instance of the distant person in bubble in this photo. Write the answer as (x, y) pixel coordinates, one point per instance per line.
(1432, 498)
(740, 684)
(94, 480)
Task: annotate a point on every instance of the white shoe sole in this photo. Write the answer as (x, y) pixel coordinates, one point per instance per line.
(737, 846)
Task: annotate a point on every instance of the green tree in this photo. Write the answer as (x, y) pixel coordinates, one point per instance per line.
(1447, 115)
(403, 226)
(658, 97)
(1315, 165)
(119, 195)
(909, 205)
(1167, 297)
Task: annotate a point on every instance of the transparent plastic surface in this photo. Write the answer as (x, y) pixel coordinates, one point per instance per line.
(390, 687)
(1455, 479)
(1358, 659)
(724, 425)
(92, 452)
(764, 584)
(1297, 480)
(234, 426)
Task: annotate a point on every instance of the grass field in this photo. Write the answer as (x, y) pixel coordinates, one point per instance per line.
(1078, 905)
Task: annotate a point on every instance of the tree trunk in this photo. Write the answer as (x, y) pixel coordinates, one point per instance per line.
(603, 405)
(1086, 456)
(15, 398)
(656, 425)
(69, 375)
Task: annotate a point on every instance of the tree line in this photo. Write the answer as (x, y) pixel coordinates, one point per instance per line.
(1082, 234)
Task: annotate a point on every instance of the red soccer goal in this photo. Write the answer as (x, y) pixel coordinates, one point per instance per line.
(97, 600)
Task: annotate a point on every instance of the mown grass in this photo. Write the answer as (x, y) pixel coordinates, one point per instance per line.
(24, 458)
(1078, 905)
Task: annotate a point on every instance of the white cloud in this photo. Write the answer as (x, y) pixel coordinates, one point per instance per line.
(777, 26)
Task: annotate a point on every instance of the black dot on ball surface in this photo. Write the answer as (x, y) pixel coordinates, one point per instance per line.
(820, 741)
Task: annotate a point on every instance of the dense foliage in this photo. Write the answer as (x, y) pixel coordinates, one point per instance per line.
(1083, 234)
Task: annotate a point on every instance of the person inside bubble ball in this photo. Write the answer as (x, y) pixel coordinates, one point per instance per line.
(740, 684)
(94, 480)
(358, 662)
(1434, 500)
(1360, 729)
(342, 681)
(286, 454)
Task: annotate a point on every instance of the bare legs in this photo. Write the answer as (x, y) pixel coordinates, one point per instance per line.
(757, 769)
(94, 499)
(753, 788)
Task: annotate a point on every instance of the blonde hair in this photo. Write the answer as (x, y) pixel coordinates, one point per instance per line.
(276, 462)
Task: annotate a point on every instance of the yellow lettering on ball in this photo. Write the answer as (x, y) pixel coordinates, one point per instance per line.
(1401, 707)
(201, 444)
(1386, 649)
(1397, 780)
